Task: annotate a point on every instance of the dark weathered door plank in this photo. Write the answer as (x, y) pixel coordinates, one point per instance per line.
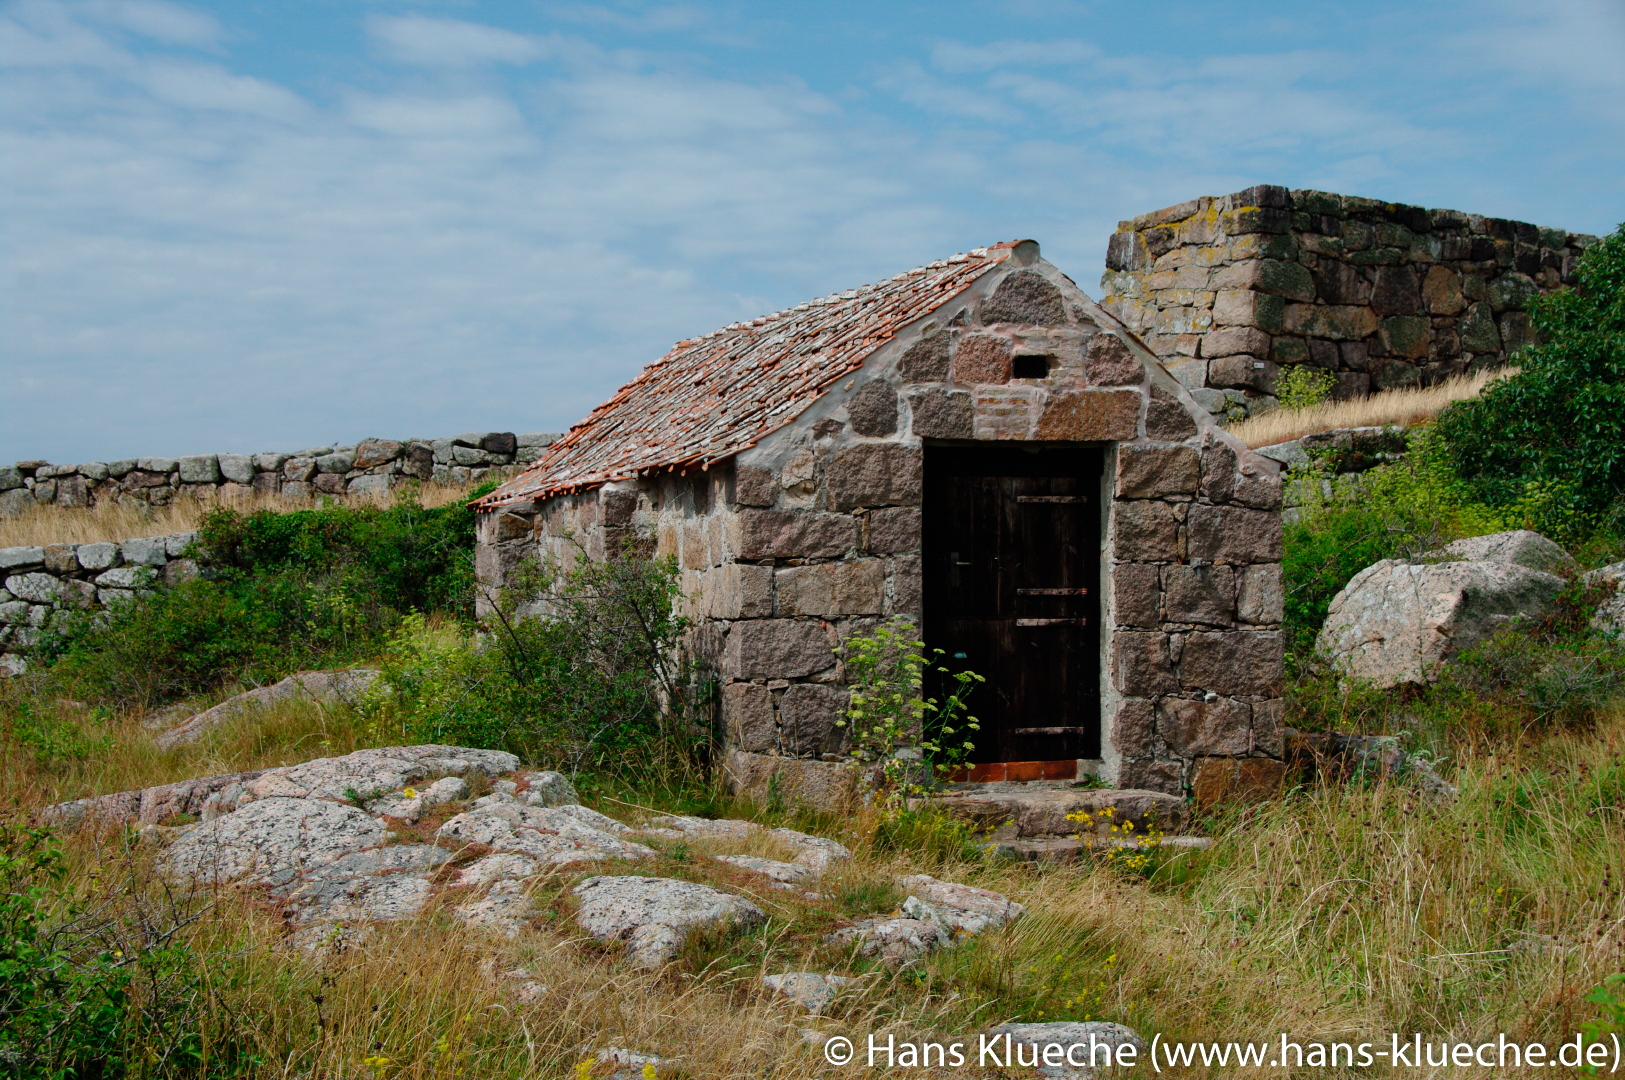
(1011, 573)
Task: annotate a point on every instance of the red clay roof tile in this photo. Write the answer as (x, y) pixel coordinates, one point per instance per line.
(711, 397)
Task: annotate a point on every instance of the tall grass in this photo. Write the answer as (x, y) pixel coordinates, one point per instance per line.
(1341, 912)
(1406, 407)
(109, 520)
(121, 755)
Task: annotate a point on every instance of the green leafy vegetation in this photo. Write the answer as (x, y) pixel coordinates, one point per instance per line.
(1552, 671)
(1547, 445)
(106, 992)
(889, 711)
(61, 1016)
(52, 736)
(1610, 1024)
(1304, 387)
(579, 665)
(283, 592)
(413, 558)
(1347, 522)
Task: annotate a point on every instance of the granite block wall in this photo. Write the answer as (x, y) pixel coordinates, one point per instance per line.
(38, 582)
(372, 466)
(1228, 291)
(815, 534)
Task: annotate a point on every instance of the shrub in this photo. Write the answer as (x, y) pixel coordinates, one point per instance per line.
(60, 1017)
(580, 666)
(1319, 699)
(1303, 387)
(1610, 1024)
(109, 991)
(1319, 556)
(411, 558)
(284, 591)
(1548, 443)
(889, 710)
(51, 736)
(1552, 670)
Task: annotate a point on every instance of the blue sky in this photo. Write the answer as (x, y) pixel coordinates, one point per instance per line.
(258, 226)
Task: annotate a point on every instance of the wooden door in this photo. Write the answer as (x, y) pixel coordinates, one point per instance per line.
(1012, 573)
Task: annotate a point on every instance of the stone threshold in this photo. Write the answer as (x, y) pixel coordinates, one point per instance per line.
(998, 787)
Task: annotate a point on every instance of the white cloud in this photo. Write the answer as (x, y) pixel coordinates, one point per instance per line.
(169, 23)
(416, 39)
(208, 86)
(958, 57)
(37, 33)
(910, 82)
(647, 21)
(435, 117)
(1577, 44)
(197, 258)
(410, 260)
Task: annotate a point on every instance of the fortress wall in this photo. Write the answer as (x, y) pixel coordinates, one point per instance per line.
(1230, 291)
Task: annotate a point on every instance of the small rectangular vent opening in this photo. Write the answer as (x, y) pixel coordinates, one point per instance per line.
(1030, 367)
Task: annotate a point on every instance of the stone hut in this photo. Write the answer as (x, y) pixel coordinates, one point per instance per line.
(977, 446)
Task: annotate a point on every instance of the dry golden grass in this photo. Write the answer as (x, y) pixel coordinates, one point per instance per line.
(1341, 913)
(109, 520)
(283, 733)
(1404, 407)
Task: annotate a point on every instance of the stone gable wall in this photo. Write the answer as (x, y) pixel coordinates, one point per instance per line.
(815, 534)
(371, 467)
(1228, 291)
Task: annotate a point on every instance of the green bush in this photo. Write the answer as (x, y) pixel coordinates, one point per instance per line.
(106, 991)
(1547, 444)
(61, 1016)
(1346, 523)
(1610, 1023)
(412, 558)
(196, 635)
(1555, 670)
(1304, 387)
(50, 738)
(1535, 674)
(1319, 556)
(283, 592)
(579, 665)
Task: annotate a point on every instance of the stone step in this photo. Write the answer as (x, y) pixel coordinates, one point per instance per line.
(1028, 812)
(1005, 787)
(1069, 848)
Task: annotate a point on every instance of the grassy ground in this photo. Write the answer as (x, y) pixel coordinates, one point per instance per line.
(1341, 912)
(1407, 407)
(42, 525)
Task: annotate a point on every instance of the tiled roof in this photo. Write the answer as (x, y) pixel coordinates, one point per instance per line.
(711, 397)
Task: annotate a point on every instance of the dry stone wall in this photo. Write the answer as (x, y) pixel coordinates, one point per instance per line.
(41, 581)
(36, 582)
(372, 466)
(1229, 291)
